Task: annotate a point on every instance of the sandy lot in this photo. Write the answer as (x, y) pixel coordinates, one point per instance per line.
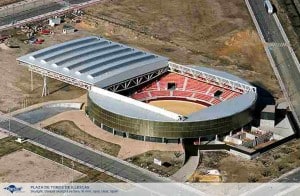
(177, 106)
(25, 166)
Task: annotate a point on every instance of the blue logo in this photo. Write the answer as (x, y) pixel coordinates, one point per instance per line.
(12, 188)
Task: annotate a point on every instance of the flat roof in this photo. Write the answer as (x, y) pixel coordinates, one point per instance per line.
(125, 109)
(225, 108)
(95, 60)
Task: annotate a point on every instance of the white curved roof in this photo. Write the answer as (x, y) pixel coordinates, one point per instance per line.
(95, 60)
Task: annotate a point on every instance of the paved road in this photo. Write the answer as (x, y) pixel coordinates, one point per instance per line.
(293, 177)
(274, 189)
(266, 22)
(282, 56)
(115, 167)
(26, 14)
(40, 114)
(76, 1)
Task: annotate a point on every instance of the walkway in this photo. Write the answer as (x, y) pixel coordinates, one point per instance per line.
(187, 170)
(129, 147)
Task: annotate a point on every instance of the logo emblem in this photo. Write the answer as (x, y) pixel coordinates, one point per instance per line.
(12, 188)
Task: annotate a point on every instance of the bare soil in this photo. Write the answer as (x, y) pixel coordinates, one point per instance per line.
(3, 135)
(171, 161)
(24, 166)
(219, 34)
(9, 145)
(15, 85)
(268, 166)
(7, 2)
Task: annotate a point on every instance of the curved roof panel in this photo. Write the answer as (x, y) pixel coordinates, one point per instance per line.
(95, 60)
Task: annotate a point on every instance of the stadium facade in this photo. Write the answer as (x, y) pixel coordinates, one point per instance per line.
(121, 80)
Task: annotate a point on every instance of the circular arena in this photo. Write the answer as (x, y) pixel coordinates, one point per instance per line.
(144, 96)
(206, 108)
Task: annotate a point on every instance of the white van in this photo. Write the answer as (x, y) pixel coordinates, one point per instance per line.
(269, 7)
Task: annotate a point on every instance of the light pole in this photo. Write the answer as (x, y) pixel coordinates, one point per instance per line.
(9, 119)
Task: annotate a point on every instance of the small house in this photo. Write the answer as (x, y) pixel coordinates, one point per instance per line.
(54, 21)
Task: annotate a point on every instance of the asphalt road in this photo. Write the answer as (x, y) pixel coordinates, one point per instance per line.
(26, 14)
(266, 22)
(76, 1)
(40, 114)
(294, 177)
(108, 164)
(284, 62)
(279, 189)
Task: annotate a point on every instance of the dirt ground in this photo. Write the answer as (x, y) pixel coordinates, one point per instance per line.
(70, 130)
(180, 107)
(7, 2)
(3, 135)
(15, 80)
(219, 34)
(171, 161)
(25, 166)
(268, 166)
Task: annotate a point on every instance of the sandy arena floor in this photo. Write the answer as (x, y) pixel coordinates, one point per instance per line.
(25, 166)
(180, 107)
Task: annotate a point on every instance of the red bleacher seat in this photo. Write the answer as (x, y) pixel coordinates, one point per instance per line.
(182, 94)
(140, 96)
(201, 90)
(197, 86)
(162, 93)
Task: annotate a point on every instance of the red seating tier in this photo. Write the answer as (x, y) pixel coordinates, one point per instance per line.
(201, 90)
(182, 94)
(160, 93)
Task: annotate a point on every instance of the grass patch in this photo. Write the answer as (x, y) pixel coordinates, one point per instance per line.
(70, 130)
(8, 145)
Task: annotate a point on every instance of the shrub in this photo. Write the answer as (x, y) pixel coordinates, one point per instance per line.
(252, 178)
(266, 172)
(282, 165)
(276, 156)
